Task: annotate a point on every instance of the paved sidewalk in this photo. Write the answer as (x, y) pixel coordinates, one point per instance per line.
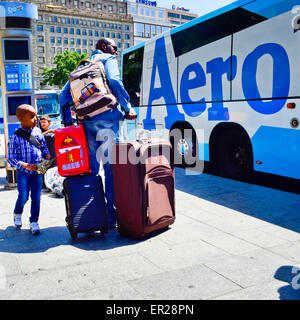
(231, 240)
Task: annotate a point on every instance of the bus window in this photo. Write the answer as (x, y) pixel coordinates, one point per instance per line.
(132, 77)
(213, 29)
(47, 104)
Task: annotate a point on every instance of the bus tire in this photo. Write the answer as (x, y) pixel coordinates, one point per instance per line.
(234, 158)
(184, 147)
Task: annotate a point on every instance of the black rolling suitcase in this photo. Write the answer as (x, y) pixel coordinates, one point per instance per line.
(85, 204)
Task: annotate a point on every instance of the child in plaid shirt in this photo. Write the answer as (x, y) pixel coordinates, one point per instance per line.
(25, 156)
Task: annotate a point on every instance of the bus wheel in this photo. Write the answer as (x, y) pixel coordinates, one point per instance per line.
(234, 155)
(184, 147)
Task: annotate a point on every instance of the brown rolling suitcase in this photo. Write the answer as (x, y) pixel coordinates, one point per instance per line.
(144, 183)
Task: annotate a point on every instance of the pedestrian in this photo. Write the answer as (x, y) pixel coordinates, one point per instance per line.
(103, 123)
(45, 122)
(26, 148)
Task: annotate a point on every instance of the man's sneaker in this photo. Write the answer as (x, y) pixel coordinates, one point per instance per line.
(18, 220)
(34, 228)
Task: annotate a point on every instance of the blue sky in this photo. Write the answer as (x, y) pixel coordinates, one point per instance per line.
(196, 6)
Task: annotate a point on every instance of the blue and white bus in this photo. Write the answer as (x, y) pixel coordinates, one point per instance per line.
(47, 103)
(232, 75)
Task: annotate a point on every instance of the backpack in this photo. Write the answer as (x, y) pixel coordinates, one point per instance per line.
(90, 91)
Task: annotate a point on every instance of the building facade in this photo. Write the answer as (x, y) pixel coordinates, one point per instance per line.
(76, 26)
(149, 20)
(178, 15)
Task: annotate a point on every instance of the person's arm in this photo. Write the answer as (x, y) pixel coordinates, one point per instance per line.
(65, 102)
(116, 84)
(12, 153)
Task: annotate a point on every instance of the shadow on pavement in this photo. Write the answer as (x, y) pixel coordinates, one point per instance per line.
(13, 240)
(291, 275)
(271, 205)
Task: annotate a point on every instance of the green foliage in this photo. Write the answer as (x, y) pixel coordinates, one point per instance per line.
(65, 64)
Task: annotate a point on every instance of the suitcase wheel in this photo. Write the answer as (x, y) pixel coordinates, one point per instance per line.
(73, 233)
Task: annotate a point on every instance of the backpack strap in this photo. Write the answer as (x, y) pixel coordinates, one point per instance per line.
(86, 61)
(28, 137)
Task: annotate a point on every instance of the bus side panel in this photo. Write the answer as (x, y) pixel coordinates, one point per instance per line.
(268, 60)
(204, 77)
(159, 84)
(268, 68)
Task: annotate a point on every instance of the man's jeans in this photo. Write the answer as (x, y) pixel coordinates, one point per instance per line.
(33, 183)
(101, 134)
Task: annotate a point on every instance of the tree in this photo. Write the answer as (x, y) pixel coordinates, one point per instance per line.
(65, 64)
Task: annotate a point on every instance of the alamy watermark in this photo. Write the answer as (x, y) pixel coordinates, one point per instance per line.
(187, 144)
(296, 279)
(296, 19)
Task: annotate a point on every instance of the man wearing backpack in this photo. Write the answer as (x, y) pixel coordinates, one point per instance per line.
(102, 128)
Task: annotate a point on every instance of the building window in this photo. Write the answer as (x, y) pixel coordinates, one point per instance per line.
(58, 40)
(52, 50)
(78, 31)
(75, 3)
(101, 34)
(58, 29)
(59, 50)
(96, 34)
(141, 11)
(72, 41)
(187, 17)
(121, 9)
(110, 9)
(78, 41)
(40, 49)
(113, 35)
(66, 41)
(71, 31)
(147, 12)
(161, 14)
(140, 29)
(40, 39)
(84, 32)
(90, 42)
(173, 15)
(126, 36)
(153, 33)
(153, 13)
(39, 28)
(41, 60)
(84, 42)
(107, 34)
(90, 33)
(118, 36)
(78, 51)
(126, 28)
(126, 45)
(133, 10)
(99, 6)
(52, 40)
(147, 31)
(88, 4)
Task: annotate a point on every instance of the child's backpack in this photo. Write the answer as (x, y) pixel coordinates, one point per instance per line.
(71, 151)
(90, 91)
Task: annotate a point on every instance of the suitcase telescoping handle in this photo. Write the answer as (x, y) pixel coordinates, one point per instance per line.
(143, 136)
(124, 130)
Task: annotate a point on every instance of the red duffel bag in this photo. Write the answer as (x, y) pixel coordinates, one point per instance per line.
(71, 151)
